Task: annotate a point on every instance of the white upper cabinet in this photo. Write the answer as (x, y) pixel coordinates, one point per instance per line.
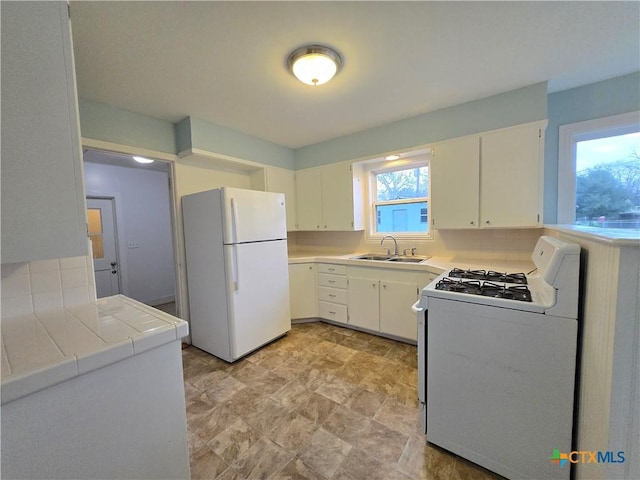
(455, 189)
(511, 176)
(330, 197)
(281, 180)
(43, 204)
(309, 199)
(490, 180)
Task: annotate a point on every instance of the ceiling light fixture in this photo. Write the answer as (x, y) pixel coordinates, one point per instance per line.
(314, 64)
(142, 160)
(395, 156)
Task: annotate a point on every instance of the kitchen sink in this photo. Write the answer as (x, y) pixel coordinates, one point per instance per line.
(407, 259)
(389, 258)
(373, 256)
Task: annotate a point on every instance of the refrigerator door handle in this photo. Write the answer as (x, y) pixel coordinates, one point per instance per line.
(234, 260)
(234, 221)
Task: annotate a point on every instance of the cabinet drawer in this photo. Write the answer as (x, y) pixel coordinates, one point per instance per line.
(335, 281)
(333, 295)
(332, 311)
(334, 269)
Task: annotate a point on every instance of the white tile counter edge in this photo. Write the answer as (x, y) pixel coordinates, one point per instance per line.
(72, 360)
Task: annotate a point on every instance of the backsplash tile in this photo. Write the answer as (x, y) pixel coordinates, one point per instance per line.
(29, 287)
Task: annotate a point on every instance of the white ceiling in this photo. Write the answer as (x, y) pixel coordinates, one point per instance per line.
(225, 62)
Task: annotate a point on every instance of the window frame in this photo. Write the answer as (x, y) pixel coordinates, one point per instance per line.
(572, 133)
(371, 197)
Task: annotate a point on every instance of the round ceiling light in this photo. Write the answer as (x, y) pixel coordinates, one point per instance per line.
(314, 64)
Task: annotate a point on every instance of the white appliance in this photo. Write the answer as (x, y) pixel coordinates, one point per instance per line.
(496, 359)
(237, 270)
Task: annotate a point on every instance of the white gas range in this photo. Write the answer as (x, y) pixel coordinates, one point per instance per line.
(496, 362)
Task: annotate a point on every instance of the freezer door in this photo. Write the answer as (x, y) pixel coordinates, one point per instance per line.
(258, 294)
(253, 216)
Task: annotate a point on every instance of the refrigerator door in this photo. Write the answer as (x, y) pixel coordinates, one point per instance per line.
(258, 302)
(253, 216)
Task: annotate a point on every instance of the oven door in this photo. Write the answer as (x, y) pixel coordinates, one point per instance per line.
(421, 314)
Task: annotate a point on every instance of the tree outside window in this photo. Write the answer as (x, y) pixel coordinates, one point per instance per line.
(401, 200)
(608, 181)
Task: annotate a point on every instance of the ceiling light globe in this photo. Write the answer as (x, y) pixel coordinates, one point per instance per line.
(314, 65)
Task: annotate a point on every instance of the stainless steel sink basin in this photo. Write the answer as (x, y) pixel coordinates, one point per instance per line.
(373, 256)
(407, 259)
(389, 258)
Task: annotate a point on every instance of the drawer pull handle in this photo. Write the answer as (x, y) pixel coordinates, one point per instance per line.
(332, 281)
(332, 295)
(331, 269)
(332, 313)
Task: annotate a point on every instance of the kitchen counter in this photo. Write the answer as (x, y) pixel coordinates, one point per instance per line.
(45, 348)
(612, 236)
(436, 265)
(94, 391)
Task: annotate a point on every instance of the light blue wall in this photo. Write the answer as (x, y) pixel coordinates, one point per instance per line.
(601, 99)
(523, 105)
(100, 121)
(198, 134)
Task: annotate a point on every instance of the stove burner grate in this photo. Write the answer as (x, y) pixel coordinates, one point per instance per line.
(517, 278)
(488, 289)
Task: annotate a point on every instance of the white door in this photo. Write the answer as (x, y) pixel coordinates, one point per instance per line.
(252, 216)
(102, 232)
(363, 302)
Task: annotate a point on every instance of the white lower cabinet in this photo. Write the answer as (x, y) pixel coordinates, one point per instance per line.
(396, 317)
(302, 290)
(332, 292)
(364, 296)
(380, 300)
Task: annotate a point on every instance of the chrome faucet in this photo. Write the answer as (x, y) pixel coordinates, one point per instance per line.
(395, 250)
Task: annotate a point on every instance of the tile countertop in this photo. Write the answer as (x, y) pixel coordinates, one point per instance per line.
(436, 265)
(46, 348)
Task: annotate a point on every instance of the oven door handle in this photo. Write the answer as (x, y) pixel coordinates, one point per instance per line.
(416, 309)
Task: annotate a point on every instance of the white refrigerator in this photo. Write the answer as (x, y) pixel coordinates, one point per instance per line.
(237, 270)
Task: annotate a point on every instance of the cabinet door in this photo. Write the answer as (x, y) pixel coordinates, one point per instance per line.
(337, 196)
(396, 317)
(43, 205)
(281, 180)
(302, 290)
(309, 199)
(510, 177)
(363, 302)
(454, 171)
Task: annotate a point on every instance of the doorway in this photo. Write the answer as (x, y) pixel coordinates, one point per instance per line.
(141, 197)
(104, 241)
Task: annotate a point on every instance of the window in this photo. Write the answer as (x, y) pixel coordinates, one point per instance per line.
(599, 172)
(401, 199)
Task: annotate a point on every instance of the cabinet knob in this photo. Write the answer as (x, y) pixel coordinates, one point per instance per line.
(325, 226)
(373, 285)
(384, 286)
(471, 222)
(487, 222)
(317, 226)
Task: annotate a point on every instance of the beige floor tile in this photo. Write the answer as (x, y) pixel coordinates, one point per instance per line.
(324, 453)
(365, 402)
(336, 389)
(347, 424)
(383, 443)
(292, 430)
(422, 461)
(261, 460)
(234, 441)
(296, 470)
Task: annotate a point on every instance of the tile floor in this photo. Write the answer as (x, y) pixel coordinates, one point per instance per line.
(322, 403)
